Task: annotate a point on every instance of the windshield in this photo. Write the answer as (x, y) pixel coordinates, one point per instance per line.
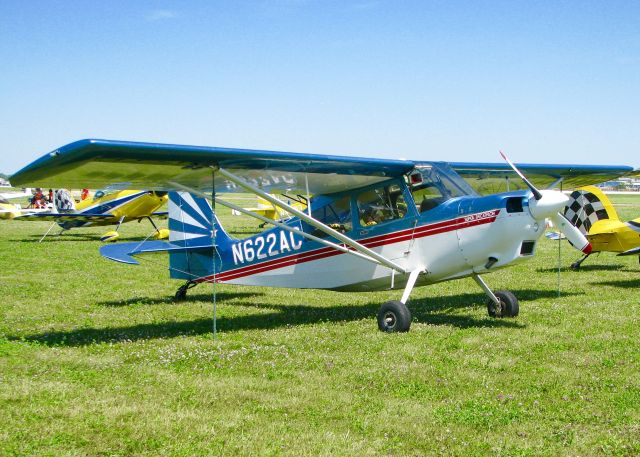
(435, 183)
(103, 193)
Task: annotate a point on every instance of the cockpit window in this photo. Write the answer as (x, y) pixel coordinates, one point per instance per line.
(432, 185)
(336, 215)
(102, 193)
(381, 204)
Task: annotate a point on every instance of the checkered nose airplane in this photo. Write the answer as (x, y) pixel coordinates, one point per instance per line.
(369, 224)
(592, 213)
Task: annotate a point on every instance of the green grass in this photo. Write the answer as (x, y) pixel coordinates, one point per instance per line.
(95, 359)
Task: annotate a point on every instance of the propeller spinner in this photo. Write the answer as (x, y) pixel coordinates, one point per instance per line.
(549, 204)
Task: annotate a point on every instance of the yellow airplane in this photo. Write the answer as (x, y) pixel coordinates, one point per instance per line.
(8, 210)
(271, 211)
(107, 207)
(590, 210)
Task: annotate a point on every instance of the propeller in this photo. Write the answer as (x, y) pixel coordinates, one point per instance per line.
(549, 204)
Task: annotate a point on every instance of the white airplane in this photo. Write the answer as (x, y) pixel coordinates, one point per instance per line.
(371, 224)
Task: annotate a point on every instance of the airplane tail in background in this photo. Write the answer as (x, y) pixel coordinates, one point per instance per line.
(64, 201)
(586, 206)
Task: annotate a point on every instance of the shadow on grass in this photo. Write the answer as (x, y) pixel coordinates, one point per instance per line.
(169, 300)
(75, 236)
(54, 237)
(583, 267)
(625, 284)
(431, 311)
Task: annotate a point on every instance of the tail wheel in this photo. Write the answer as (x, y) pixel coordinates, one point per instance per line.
(509, 306)
(394, 316)
(181, 293)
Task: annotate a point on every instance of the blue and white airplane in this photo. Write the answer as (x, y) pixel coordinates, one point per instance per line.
(370, 224)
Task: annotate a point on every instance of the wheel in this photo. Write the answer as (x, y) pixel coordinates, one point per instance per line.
(181, 293)
(394, 316)
(575, 266)
(509, 306)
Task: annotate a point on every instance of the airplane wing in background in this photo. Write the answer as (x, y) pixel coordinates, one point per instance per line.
(65, 217)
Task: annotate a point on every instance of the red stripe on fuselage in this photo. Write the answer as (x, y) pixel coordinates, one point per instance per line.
(380, 240)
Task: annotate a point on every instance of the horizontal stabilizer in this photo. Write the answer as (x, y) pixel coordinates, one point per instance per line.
(634, 251)
(124, 252)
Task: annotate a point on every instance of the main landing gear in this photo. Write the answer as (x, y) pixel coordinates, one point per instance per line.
(501, 303)
(576, 265)
(394, 316)
(181, 293)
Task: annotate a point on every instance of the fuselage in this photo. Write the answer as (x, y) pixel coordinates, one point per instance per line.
(614, 235)
(441, 227)
(127, 205)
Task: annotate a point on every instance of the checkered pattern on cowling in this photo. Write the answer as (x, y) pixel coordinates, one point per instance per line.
(584, 209)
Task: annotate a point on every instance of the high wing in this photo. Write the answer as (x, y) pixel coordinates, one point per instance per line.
(491, 178)
(96, 163)
(66, 217)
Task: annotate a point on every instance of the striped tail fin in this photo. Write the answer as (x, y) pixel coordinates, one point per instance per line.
(586, 206)
(193, 224)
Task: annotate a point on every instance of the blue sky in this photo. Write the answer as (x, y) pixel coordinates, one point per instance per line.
(547, 82)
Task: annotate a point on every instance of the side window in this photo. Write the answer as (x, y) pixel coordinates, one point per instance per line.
(428, 197)
(336, 215)
(381, 204)
(432, 189)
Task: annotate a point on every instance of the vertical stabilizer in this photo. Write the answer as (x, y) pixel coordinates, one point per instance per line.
(586, 206)
(193, 223)
(64, 202)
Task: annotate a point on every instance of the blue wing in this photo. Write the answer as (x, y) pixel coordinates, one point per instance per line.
(96, 163)
(491, 178)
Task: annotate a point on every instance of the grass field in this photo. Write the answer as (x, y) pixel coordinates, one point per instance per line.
(96, 359)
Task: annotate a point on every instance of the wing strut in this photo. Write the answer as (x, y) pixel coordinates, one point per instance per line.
(311, 221)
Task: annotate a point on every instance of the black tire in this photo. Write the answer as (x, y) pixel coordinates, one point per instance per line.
(181, 294)
(509, 306)
(394, 316)
(575, 266)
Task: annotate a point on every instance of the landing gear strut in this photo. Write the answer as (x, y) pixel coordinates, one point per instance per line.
(181, 293)
(501, 303)
(576, 265)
